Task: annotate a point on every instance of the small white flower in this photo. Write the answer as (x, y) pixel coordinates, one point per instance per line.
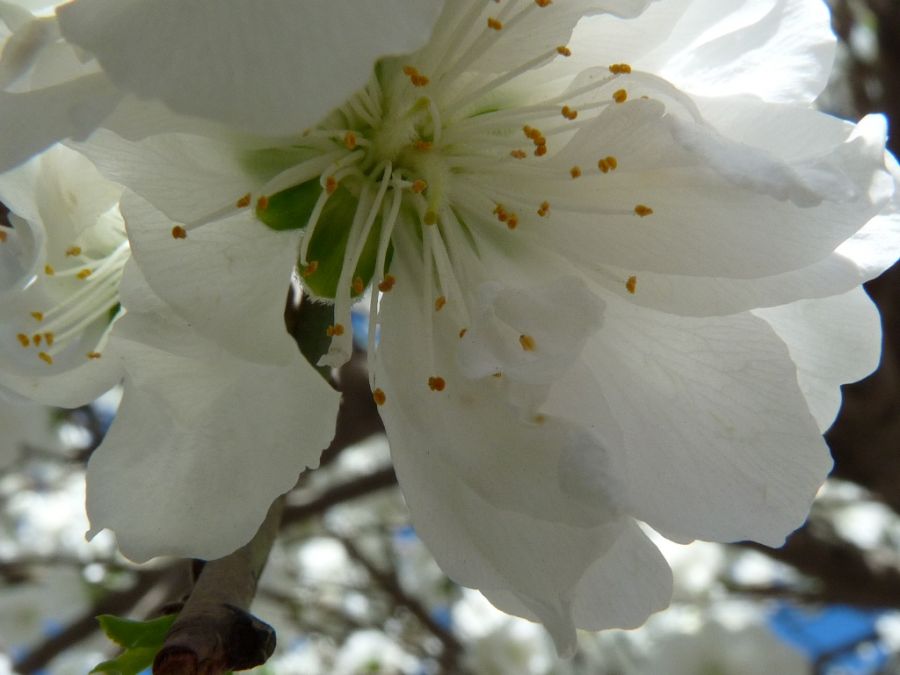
(64, 342)
(62, 261)
(604, 235)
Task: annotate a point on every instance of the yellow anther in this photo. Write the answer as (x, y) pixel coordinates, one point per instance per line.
(358, 285)
(178, 232)
(36, 339)
(538, 419)
(84, 274)
(575, 172)
(543, 3)
(620, 96)
(335, 331)
(37, 316)
(350, 140)
(642, 210)
(569, 113)
(2, 235)
(49, 337)
(437, 383)
(72, 251)
(387, 284)
(608, 164)
(462, 333)
(23, 340)
(430, 218)
(310, 269)
(379, 397)
(94, 355)
(423, 146)
(562, 50)
(527, 342)
(417, 78)
(519, 154)
(540, 150)
(419, 186)
(544, 209)
(243, 202)
(439, 303)
(262, 203)
(513, 221)
(631, 284)
(49, 271)
(620, 69)
(46, 358)
(494, 24)
(331, 185)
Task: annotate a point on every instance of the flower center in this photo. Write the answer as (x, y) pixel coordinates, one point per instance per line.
(74, 299)
(449, 146)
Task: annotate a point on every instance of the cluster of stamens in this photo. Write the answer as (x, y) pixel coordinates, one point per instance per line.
(396, 150)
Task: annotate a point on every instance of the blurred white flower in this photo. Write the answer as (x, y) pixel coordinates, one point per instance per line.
(371, 651)
(609, 240)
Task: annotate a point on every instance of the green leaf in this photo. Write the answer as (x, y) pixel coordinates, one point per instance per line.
(141, 641)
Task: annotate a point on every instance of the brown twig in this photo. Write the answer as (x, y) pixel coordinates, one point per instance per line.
(214, 633)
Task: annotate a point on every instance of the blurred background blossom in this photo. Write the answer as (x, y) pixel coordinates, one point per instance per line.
(351, 590)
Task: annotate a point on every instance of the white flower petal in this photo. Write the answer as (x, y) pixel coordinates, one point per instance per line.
(188, 176)
(717, 439)
(602, 601)
(485, 488)
(32, 121)
(530, 335)
(704, 223)
(203, 442)
(833, 341)
(778, 50)
(229, 279)
(203, 58)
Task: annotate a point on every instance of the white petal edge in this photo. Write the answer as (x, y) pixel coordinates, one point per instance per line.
(272, 66)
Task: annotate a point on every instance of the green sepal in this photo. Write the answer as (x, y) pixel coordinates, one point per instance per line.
(141, 641)
(328, 247)
(290, 209)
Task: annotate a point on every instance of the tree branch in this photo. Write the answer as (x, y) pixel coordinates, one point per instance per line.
(214, 633)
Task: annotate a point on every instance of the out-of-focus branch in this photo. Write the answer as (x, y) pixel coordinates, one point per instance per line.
(214, 633)
(352, 489)
(388, 582)
(841, 572)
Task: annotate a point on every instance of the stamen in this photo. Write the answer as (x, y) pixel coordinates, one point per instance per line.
(49, 271)
(46, 358)
(631, 284)
(437, 383)
(244, 201)
(379, 397)
(178, 232)
(527, 342)
(38, 316)
(73, 251)
(620, 96)
(643, 211)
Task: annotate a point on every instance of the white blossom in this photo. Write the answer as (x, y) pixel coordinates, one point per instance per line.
(606, 241)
